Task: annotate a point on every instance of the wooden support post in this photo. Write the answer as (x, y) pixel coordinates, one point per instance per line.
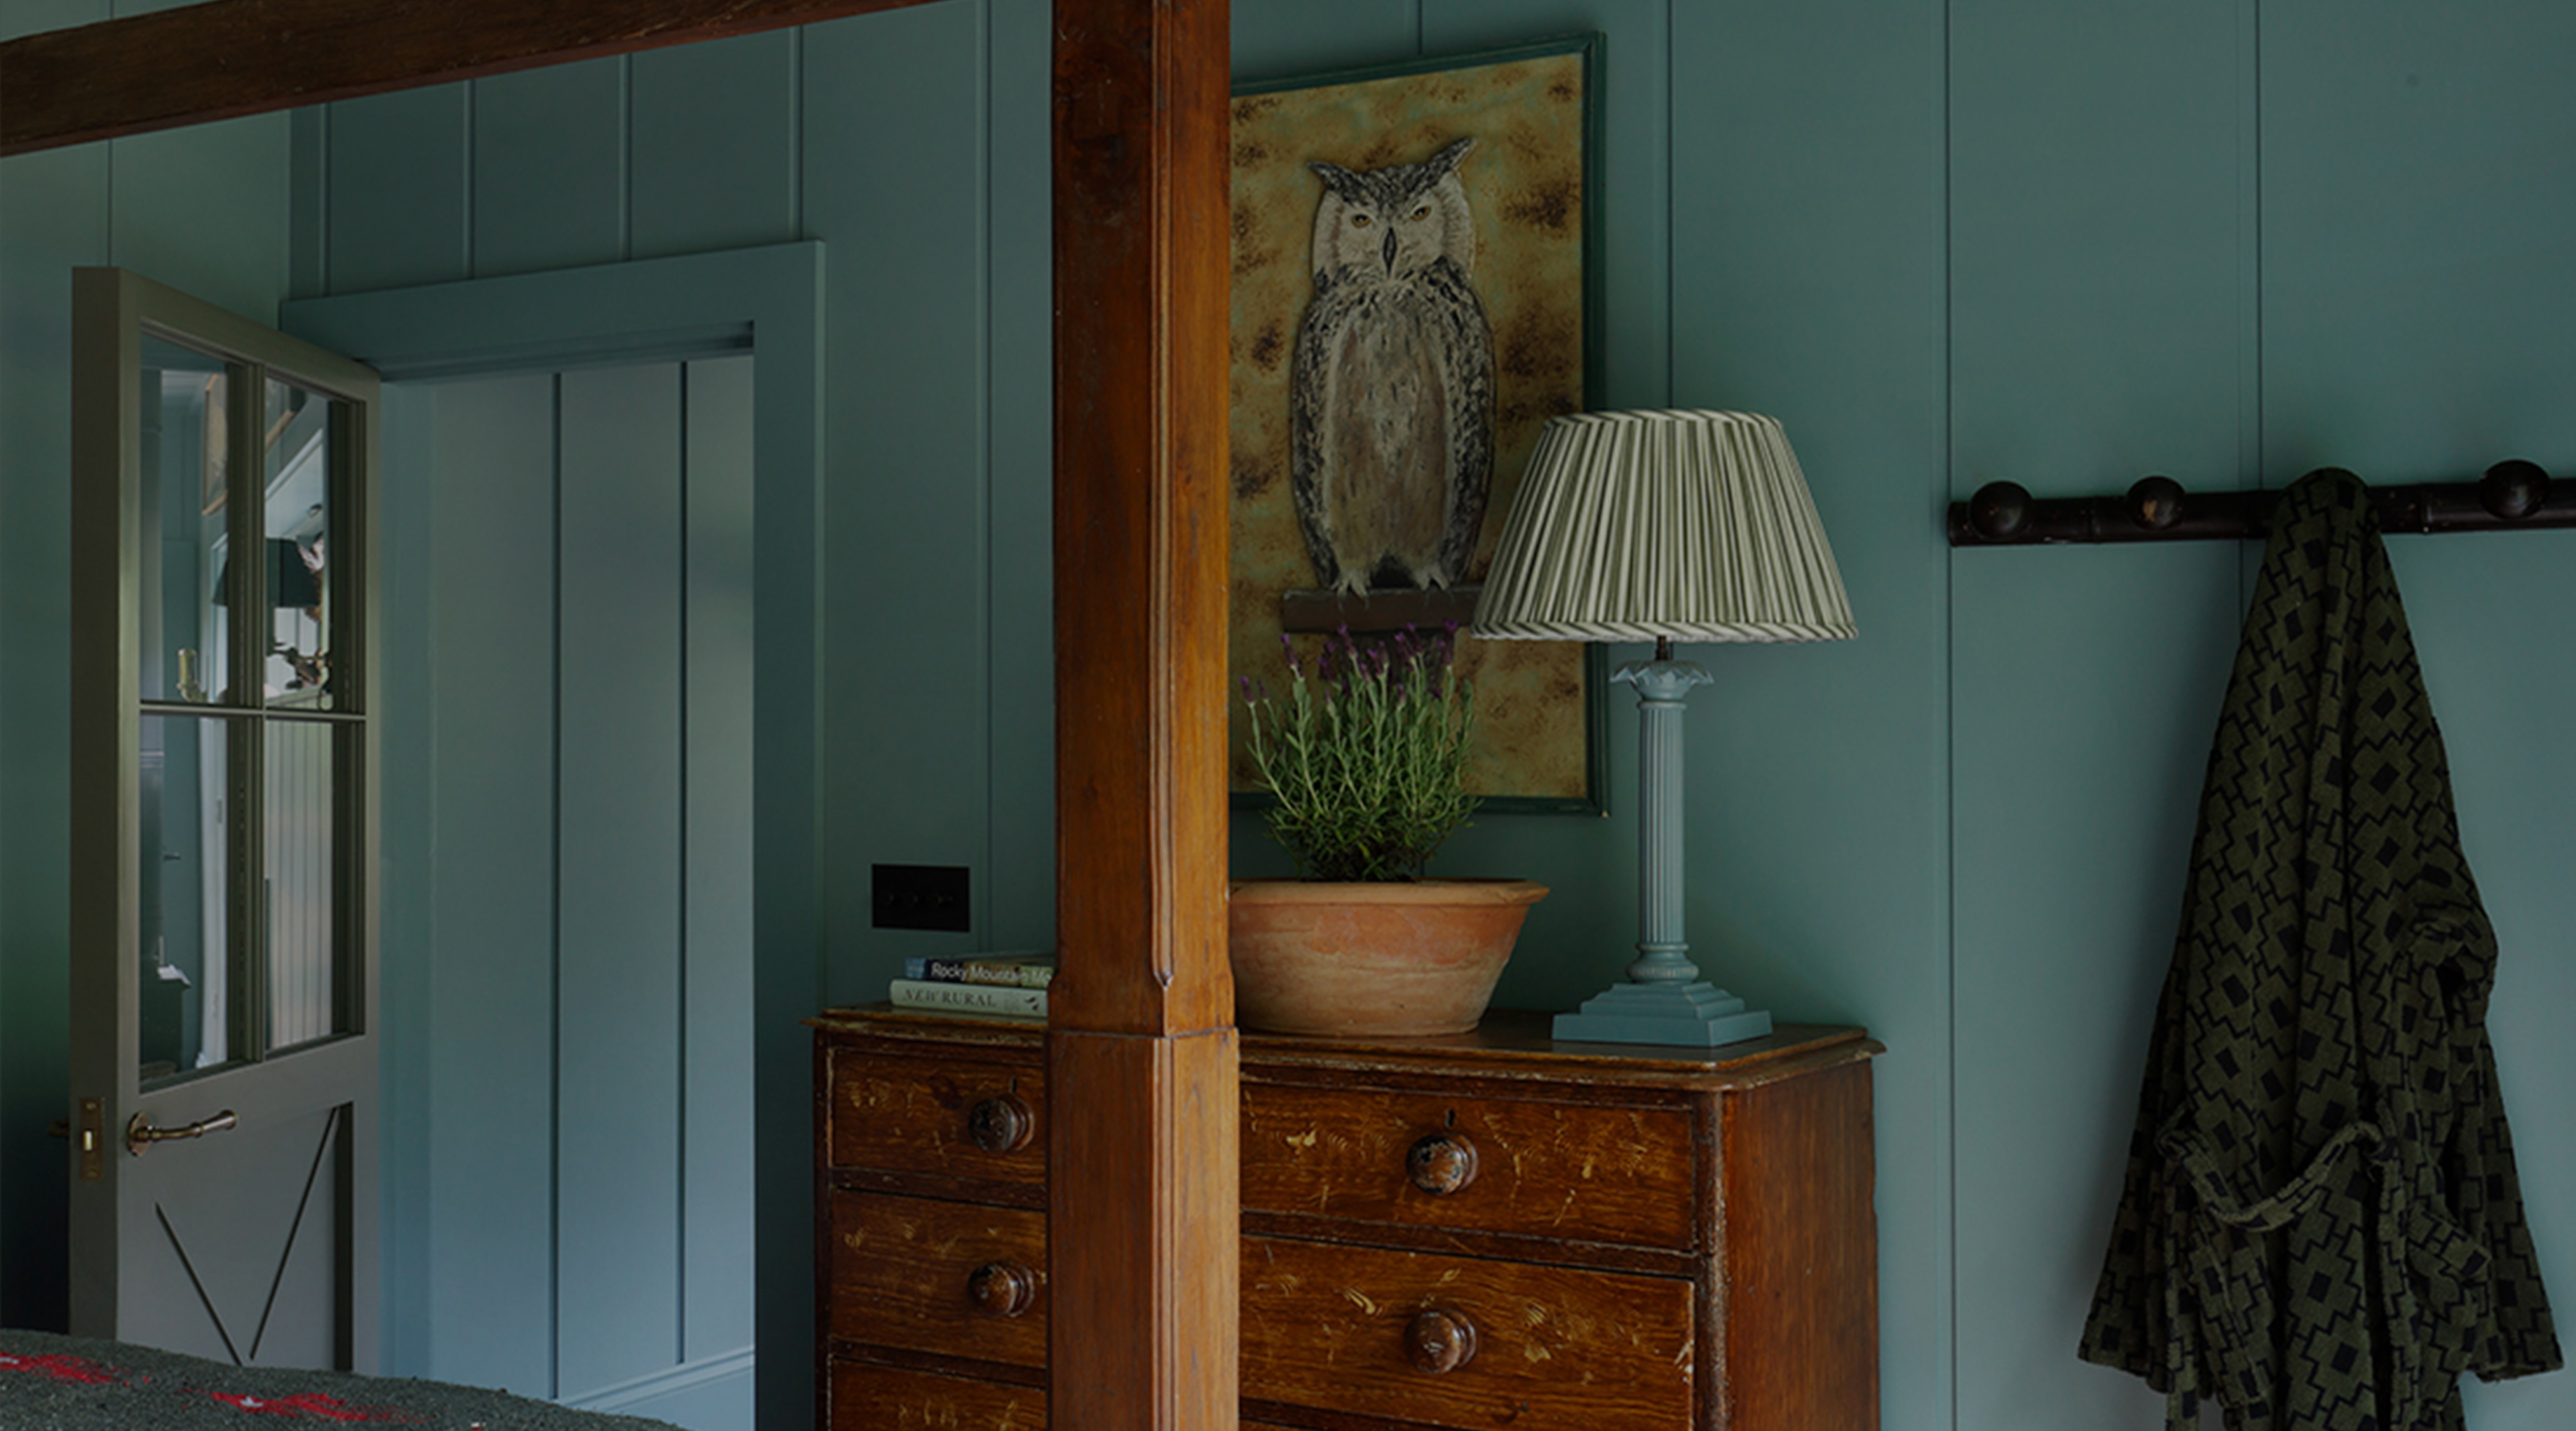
(1142, 1219)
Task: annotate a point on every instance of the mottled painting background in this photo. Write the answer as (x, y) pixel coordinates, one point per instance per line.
(1525, 185)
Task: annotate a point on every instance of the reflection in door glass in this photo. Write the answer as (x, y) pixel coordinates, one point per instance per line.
(303, 927)
(185, 916)
(298, 472)
(182, 447)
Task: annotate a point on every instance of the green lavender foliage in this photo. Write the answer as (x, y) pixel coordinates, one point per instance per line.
(1367, 756)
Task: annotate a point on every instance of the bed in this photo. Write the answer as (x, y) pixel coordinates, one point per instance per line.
(58, 1383)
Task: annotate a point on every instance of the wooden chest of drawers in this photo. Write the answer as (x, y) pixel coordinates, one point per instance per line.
(1488, 1230)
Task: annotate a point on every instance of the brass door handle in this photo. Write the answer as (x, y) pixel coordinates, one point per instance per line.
(140, 1134)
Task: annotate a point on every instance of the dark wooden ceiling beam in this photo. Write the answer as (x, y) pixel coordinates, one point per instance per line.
(229, 58)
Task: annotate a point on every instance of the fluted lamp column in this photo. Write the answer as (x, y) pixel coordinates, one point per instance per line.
(1663, 527)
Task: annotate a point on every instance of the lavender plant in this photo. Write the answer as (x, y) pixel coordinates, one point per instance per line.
(1368, 755)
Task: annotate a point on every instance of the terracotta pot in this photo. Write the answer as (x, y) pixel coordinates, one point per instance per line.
(1420, 958)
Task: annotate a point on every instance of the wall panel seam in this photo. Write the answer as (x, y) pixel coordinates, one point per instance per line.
(626, 170)
(554, 1103)
(796, 132)
(1950, 680)
(981, 902)
(680, 885)
(465, 235)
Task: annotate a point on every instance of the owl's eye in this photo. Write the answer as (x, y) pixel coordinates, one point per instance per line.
(1359, 221)
(1422, 211)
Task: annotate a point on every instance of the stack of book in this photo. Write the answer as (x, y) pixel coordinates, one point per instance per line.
(976, 984)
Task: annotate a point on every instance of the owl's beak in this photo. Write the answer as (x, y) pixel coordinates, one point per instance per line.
(1387, 247)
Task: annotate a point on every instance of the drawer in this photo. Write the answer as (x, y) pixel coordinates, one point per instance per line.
(955, 1118)
(867, 1397)
(1487, 1164)
(953, 1278)
(1463, 1341)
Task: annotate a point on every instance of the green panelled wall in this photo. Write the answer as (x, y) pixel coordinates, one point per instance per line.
(1944, 240)
(206, 210)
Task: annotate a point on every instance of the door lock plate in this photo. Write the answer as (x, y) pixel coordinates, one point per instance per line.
(93, 1139)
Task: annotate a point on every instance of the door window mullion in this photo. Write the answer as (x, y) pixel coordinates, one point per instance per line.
(246, 532)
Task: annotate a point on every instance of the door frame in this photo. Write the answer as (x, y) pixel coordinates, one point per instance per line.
(111, 309)
(765, 301)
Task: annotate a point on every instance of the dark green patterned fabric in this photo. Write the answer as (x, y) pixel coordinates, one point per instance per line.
(2321, 1227)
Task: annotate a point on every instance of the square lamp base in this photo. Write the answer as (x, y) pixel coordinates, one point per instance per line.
(1697, 1015)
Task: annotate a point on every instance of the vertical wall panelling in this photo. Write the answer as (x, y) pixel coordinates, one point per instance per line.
(53, 215)
(2099, 230)
(2502, 691)
(635, 312)
(2077, 776)
(308, 214)
(592, 1039)
(2419, 181)
(549, 167)
(618, 855)
(894, 128)
(1017, 901)
(226, 184)
(491, 1100)
(1943, 242)
(2418, 206)
(28, 17)
(400, 184)
(407, 826)
(1317, 36)
(713, 147)
(716, 889)
(206, 210)
(2099, 242)
(1638, 129)
(1809, 205)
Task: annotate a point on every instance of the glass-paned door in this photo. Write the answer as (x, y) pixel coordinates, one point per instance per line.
(223, 1053)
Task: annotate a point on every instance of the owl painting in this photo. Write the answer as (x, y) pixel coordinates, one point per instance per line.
(1391, 389)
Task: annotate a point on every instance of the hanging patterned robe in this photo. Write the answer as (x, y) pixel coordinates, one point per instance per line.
(2321, 1226)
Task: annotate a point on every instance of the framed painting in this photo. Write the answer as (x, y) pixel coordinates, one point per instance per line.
(1414, 296)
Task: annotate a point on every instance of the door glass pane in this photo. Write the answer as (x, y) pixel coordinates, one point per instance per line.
(186, 915)
(297, 470)
(304, 945)
(181, 445)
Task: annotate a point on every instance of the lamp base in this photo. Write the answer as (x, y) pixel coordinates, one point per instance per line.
(1699, 1015)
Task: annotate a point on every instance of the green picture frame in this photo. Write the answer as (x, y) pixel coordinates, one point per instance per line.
(1531, 183)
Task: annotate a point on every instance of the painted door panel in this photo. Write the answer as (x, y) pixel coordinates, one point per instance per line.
(223, 918)
(592, 882)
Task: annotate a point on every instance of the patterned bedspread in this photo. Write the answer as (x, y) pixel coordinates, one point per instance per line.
(56, 1383)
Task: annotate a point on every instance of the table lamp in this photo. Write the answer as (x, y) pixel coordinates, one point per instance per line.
(1663, 526)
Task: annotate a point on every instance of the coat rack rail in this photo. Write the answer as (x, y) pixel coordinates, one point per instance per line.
(2512, 495)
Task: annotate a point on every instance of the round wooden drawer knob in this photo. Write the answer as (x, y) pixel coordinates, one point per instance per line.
(1441, 1163)
(1438, 1341)
(1001, 1124)
(1001, 1289)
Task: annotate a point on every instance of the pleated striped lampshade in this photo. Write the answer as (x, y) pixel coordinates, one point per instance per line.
(1694, 526)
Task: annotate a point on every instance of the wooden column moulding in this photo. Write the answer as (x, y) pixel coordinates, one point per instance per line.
(1141, 1056)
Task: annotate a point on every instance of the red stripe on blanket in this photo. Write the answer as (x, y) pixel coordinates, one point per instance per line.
(311, 1404)
(62, 1368)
